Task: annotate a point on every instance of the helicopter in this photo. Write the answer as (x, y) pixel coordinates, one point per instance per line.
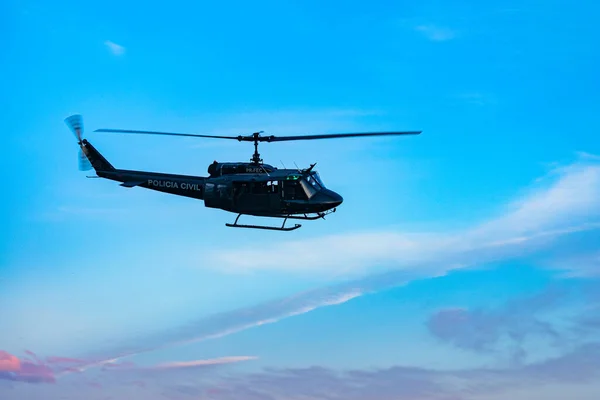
(245, 188)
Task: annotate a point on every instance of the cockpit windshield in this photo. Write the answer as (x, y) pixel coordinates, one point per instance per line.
(315, 181)
(317, 178)
(311, 183)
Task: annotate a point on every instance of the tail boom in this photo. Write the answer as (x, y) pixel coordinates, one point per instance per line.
(181, 185)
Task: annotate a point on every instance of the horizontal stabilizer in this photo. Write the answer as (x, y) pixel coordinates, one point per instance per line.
(130, 184)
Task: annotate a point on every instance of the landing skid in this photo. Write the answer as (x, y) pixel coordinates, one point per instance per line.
(271, 228)
(282, 227)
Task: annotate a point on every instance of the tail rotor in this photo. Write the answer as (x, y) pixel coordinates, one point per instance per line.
(75, 124)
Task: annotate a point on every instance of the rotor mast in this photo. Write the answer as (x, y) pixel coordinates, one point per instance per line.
(256, 156)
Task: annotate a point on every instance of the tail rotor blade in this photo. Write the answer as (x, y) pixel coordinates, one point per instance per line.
(84, 163)
(75, 124)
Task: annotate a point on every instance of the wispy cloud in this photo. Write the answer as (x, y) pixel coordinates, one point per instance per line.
(203, 363)
(114, 48)
(436, 33)
(228, 323)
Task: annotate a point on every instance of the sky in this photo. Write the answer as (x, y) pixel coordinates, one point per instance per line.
(463, 264)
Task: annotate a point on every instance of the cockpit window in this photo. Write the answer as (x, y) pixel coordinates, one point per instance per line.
(316, 177)
(310, 183)
(313, 182)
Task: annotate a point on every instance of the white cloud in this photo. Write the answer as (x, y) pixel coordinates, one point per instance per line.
(114, 48)
(571, 203)
(436, 33)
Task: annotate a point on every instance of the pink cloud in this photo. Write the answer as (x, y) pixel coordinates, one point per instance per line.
(31, 372)
(8, 362)
(33, 369)
(14, 369)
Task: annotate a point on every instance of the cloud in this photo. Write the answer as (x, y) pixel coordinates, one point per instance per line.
(436, 33)
(114, 48)
(9, 363)
(574, 301)
(486, 330)
(15, 369)
(128, 365)
(33, 369)
(203, 363)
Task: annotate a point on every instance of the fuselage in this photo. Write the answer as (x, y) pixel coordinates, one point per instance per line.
(260, 193)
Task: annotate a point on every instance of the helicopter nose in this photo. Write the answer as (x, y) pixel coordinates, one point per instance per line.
(333, 199)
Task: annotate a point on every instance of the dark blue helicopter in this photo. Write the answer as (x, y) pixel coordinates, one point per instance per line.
(253, 188)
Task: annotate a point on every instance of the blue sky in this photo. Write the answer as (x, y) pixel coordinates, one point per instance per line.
(461, 260)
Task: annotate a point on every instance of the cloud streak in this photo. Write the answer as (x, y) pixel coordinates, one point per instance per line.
(228, 323)
(114, 48)
(203, 363)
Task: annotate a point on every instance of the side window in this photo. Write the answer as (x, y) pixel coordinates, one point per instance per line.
(273, 187)
(293, 191)
(222, 190)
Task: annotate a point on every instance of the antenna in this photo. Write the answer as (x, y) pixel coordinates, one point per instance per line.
(282, 164)
(264, 169)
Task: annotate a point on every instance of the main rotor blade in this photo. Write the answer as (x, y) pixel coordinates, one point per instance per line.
(166, 133)
(337, 135)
